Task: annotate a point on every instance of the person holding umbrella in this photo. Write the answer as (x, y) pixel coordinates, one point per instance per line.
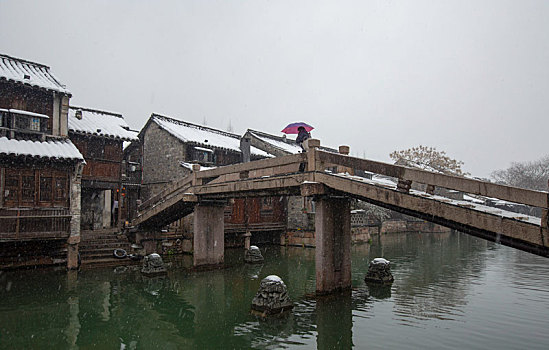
(302, 130)
(302, 136)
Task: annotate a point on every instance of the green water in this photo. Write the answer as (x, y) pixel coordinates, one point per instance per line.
(450, 291)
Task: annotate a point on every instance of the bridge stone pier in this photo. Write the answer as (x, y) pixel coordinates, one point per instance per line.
(209, 242)
(333, 244)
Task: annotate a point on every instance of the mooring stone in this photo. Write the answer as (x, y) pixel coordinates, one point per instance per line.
(253, 255)
(153, 265)
(379, 271)
(272, 296)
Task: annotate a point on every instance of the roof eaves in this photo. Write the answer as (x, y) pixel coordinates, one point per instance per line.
(97, 111)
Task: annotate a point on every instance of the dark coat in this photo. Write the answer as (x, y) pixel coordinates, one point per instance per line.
(302, 136)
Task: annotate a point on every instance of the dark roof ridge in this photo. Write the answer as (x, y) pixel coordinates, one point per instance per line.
(25, 61)
(119, 115)
(197, 126)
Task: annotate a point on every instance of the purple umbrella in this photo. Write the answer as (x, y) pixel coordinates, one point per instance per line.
(292, 128)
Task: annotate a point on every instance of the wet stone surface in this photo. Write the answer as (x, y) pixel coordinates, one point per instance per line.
(253, 255)
(272, 296)
(379, 271)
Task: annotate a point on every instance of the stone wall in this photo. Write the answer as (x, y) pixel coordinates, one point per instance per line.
(162, 154)
(396, 226)
(300, 214)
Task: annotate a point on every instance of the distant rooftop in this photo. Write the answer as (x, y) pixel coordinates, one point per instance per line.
(203, 135)
(285, 144)
(29, 73)
(99, 123)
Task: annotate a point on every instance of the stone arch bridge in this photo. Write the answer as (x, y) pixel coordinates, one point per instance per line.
(328, 179)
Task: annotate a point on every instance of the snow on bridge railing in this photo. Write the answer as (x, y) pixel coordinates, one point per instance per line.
(402, 173)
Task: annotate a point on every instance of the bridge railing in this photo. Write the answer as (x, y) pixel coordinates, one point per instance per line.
(170, 190)
(255, 169)
(405, 174)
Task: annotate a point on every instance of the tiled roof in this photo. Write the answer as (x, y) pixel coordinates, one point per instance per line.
(29, 73)
(286, 145)
(53, 149)
(203, 135)
(100, 123)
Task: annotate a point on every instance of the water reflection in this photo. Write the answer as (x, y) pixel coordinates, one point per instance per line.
(449, 289)
(334, 335)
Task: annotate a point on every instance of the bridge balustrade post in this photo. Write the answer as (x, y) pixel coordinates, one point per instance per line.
(544, 227)
(313, 164)
(196, 181)
(404, 185)
(344, 150)
(209, 238)
(333, 244)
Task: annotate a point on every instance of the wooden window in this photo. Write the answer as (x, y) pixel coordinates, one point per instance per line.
(45, 188)
(95, 148)
(32, 188)
(113, 151)
(27, 188)
(61, 189)
(34, 124)
(21, 122)
(11, 188)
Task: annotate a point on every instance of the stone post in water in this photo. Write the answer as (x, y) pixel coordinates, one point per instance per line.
(253, 255)
(379, 271)
(272, 297)
(153, 265)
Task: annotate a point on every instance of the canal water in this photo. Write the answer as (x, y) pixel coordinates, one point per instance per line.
(450, 291)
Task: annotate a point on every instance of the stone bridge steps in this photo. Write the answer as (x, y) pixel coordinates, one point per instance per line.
(108, 262)
(96, 249)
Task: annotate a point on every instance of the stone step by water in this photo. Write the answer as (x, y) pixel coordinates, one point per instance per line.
(97, 249)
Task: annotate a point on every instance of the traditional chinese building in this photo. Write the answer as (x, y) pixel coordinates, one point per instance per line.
(40, 168)
(171, 146)
(99, 136)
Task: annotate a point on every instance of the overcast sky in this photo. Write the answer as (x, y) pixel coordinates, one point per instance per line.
(467, 77)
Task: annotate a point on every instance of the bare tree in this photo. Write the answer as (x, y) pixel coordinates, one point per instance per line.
(428, 158)
(531, 175)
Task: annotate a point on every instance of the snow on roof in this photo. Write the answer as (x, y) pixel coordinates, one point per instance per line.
(100, 123)
(287, 146)
(203, 135)
(190, 166)
(31, 114)
(53, 149)
(29, 73)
